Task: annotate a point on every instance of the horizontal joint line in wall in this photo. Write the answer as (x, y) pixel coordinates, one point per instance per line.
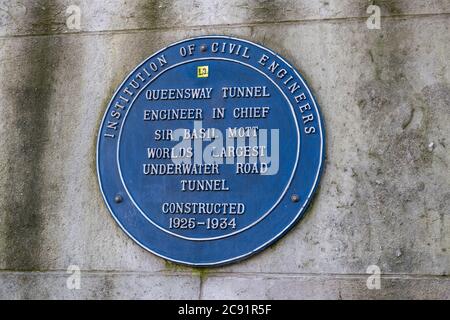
(211, 26)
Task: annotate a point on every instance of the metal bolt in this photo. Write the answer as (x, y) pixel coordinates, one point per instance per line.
(118, 198)
(203, 48)
(295, 198)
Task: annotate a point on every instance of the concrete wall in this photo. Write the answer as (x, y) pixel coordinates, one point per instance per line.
(385, 194)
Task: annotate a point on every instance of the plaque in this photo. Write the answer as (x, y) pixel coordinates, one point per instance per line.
(210, 150)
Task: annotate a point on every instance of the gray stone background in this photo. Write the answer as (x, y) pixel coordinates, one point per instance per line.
(384, 197)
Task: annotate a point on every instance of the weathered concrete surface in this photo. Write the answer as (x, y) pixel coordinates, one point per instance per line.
(384, 197)
(282, 286)
(99, 285)
(17, 18)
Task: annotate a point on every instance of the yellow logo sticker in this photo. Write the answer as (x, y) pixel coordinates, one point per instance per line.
(202, 72)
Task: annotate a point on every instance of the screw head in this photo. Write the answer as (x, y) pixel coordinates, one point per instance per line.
(118, 198)
(295, 198)
(203, 48)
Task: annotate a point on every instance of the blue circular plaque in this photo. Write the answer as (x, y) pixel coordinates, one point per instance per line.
(210, 150)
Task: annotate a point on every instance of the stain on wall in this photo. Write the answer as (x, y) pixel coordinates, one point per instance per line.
(22, 204)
